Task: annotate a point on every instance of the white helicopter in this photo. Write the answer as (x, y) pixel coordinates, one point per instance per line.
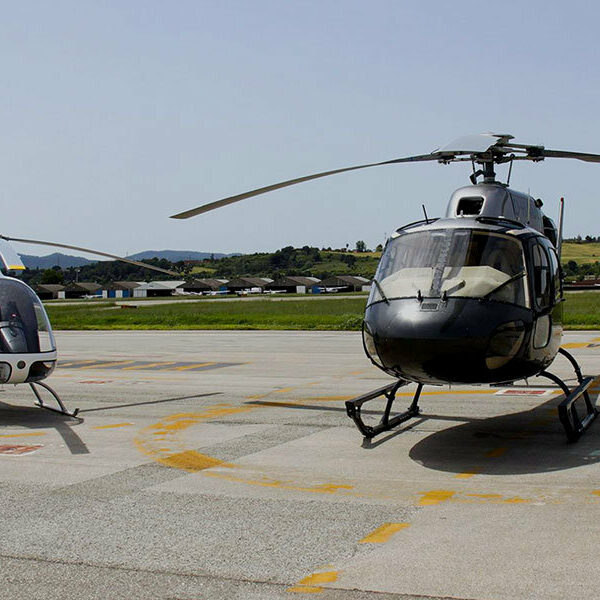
(28, 351)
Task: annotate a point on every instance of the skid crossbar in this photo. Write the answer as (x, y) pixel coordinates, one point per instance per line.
(62, 409)
(353, 408)
(573, 424)
(567, 411)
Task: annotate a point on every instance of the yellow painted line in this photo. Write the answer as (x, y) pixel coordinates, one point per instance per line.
(192, 461)
(283, 390)
(311, 584)
(113, 426)
(75, 362)
(468, 474)
(17, 435)
(576, 345)
(196, 366)
(497, 452)
(486, 496)
(148, 366)
(384, 533)
(109, 364)
(435, 497)
(324, 488)
(151, 440)
(596, 492)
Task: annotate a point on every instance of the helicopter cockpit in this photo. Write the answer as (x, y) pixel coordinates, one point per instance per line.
(452, 263)
(27, 346)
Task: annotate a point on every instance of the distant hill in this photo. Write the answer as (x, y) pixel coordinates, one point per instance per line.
(176, 255)
(65, 260)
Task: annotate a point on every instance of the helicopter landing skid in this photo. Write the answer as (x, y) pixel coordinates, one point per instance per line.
(353, 408)
(573, 424)
(62, 410)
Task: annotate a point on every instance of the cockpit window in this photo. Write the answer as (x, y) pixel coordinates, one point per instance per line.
(452, 263)
(24, 326)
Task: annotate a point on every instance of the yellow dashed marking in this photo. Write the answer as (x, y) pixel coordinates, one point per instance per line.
(592, 344)
(486, 496)
(491, 498)
(16, 435)
(109, 364)
(75, 362)
(496, 452)
(384, 533)
(115, 426)
(434, 497)
(311, 584)
(324, 488)
(196, 366)
(150, 365)
(468, 474)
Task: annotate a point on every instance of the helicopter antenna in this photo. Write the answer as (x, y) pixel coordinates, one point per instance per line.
(425, 213)
(560, 227)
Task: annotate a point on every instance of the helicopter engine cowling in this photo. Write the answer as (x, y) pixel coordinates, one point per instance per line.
(459, 340)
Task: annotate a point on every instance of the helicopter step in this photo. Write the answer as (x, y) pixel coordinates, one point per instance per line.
(353, 408)
(573, 424)
(62, 410)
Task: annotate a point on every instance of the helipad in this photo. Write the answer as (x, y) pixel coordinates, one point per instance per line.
(242, 477)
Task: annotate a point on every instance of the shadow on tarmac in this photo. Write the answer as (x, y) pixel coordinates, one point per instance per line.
(37, 418)
(33, 417)
(531, 441)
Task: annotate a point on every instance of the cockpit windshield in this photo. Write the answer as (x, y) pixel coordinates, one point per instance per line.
(24, 325)
(452, 263)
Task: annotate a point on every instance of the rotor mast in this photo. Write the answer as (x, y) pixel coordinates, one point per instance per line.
(489, 175)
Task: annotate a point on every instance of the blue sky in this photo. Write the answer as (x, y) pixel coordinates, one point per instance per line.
(117, 114)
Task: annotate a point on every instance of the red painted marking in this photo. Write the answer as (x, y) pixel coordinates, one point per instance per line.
(18, 450)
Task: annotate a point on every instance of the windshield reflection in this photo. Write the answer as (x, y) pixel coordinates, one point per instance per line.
(452, 263)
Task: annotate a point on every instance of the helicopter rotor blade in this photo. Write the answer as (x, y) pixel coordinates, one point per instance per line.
(566, 154)
(277, 186)
(89, 251)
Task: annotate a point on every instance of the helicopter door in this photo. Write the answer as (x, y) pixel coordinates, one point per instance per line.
(543, 291)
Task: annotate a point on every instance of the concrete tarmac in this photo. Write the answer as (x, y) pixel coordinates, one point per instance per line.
(223, 465)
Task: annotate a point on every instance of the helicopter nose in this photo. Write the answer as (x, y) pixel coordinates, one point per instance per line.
(436, 342)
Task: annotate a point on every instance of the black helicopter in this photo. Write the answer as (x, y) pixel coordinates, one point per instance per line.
(471, 298)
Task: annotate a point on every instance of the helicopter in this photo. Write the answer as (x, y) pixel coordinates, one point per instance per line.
(474, 297)
(28, 352)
